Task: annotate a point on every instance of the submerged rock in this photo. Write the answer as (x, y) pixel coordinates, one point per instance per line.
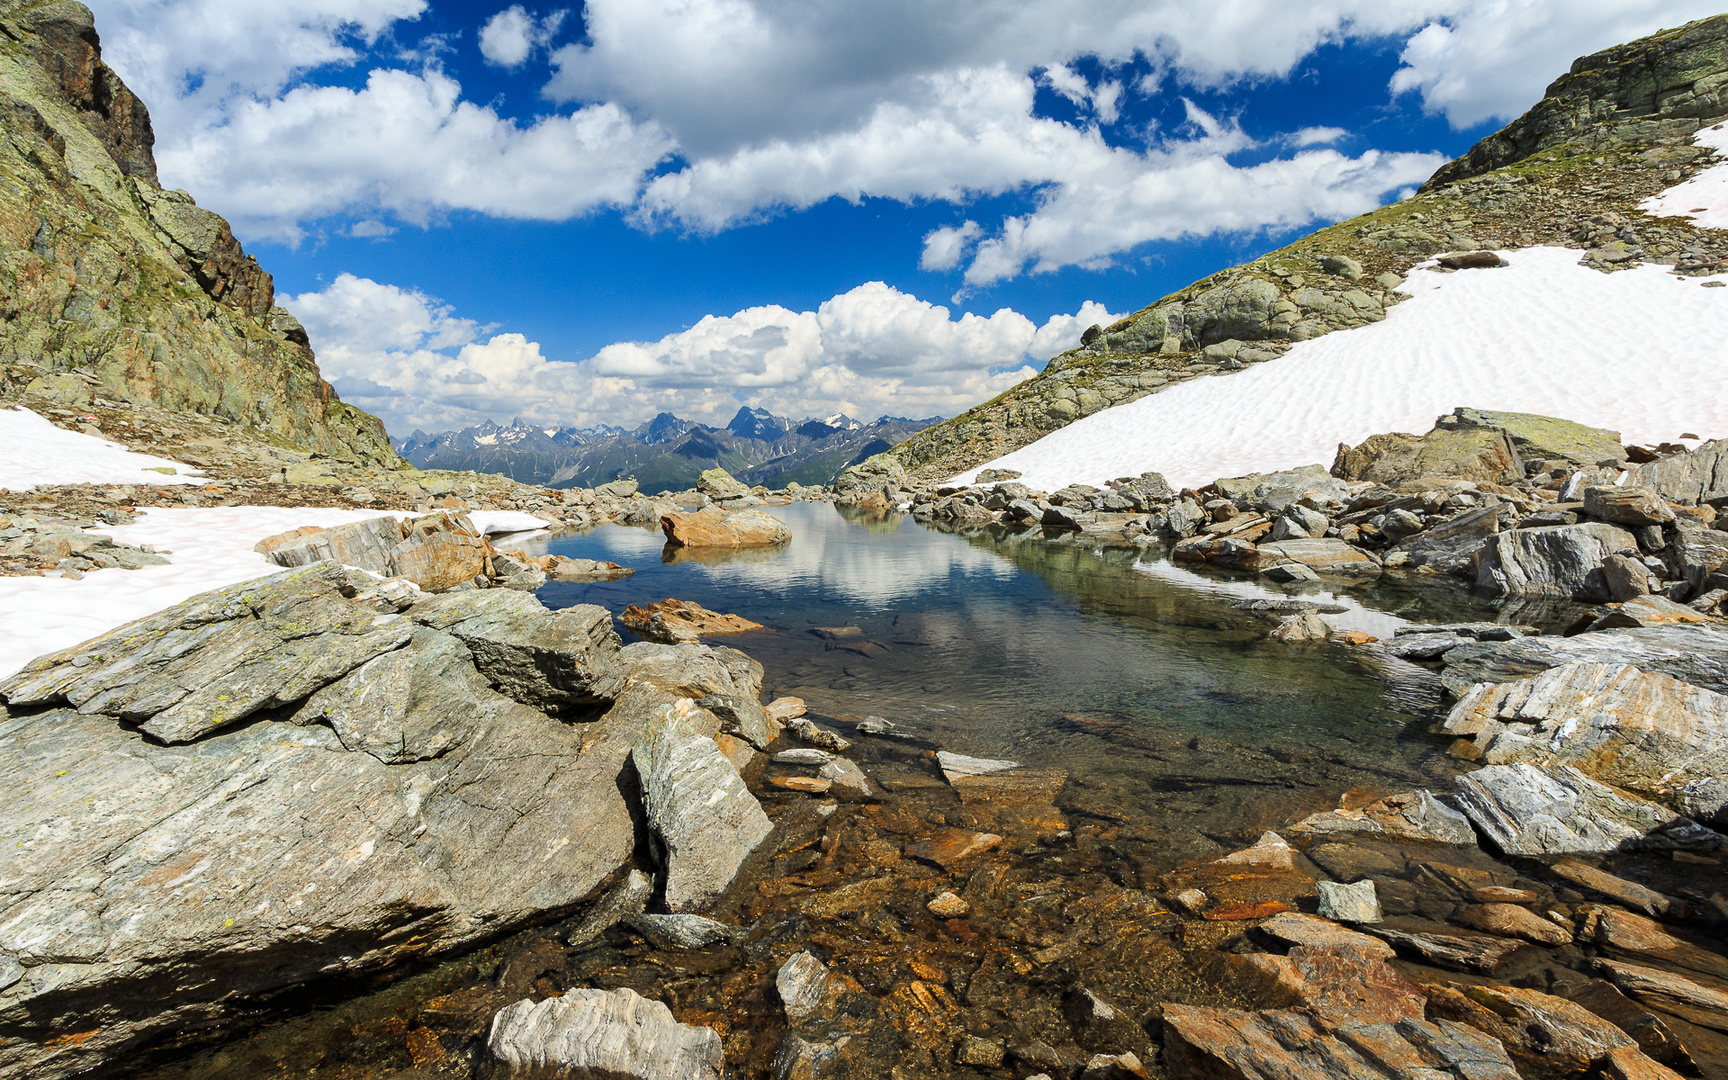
(677, 622)
(1230, 1044)
(595, 1033)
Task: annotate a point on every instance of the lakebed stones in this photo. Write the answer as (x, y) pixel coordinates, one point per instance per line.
(1645, 731)
(596, 1033)
(706, 821)
(674, 622)
(716, 528)
(1231, 1044)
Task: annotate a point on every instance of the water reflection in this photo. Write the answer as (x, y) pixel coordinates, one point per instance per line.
(1136, 675)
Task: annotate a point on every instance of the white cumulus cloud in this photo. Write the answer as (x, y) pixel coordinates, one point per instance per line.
(512, 35)
(870, 351)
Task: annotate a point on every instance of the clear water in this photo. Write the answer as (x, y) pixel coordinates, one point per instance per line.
(1134, 674)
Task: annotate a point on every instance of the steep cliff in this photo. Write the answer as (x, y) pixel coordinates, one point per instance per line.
(112, 289)
(1570, 173)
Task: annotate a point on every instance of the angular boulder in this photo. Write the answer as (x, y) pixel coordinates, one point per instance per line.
(1634, 506)
(713, 527)
(717, 483)
(552, 660)
(705, 820)
(1323, 556)
(1525, 810)
(436, 552)
(1555, 560)
(1698, 477)
(1644, 731)
(618, 1035)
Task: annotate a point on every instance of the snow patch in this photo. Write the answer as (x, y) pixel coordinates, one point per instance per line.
(1639, 351)
(1704, 198)
(34, 452)
(207, 548)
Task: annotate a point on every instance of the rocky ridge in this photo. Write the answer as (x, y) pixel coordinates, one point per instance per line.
(1570, 173)
(119, 294)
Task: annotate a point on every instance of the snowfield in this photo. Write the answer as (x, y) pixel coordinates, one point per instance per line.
(207, 548)
(36, 453)
(1704, 198)
(1641, 351)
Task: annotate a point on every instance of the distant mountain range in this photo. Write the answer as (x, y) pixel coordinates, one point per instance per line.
(665, 454)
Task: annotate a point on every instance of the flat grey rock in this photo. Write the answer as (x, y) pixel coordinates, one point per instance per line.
(1556, 560)
(680, 931)
(1694, 654)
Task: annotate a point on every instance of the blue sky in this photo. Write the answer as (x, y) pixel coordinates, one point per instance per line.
(586, 213)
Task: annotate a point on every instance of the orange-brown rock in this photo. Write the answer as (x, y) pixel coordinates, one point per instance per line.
(1510, 920)
(1295, 1044)
(952, 845)
(678, 622)
(440, 551)
(1626, 934)
(1341, 983)
(715, 528)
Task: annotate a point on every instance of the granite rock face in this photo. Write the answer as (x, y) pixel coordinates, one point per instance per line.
(140, 289)
(598, 1035)
(361, 797)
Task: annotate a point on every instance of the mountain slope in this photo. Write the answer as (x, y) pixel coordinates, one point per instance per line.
(1571, 173)
(114, 289)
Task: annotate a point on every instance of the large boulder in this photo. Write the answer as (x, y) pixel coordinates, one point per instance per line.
(437, 552)
(1562, 561)
(717, 483)
(153, 887)
(712, 527)
(555, 661)
(1272, 492)
(1476, 444)
(1645, 731)
(872, 474)
(705, 820)
(617, 1035)
(674, 622)
(1323, 556)
(1698, 477)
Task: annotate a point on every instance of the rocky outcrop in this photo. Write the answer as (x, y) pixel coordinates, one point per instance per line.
(136, 288)
(1476, 444)
(324, 773)
(1692, 654)
(619, 1035)
(1647, 732)
(1659, 89)
(1229, 1044)
(712, 527)
(436, 552)
(720, 484)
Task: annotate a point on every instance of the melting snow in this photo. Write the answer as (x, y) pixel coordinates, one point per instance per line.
(1704, 198)
(1639, 351)
(36, 453)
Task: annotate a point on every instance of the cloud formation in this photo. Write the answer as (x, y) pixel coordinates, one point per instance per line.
(766, 108)
(870, 351)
